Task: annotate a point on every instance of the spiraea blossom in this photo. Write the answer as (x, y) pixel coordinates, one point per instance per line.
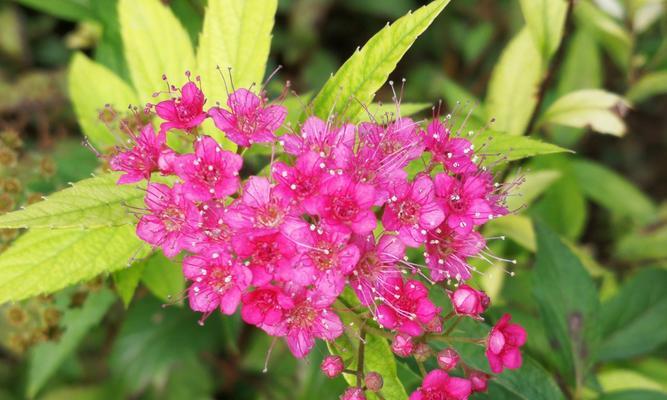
(363, 219)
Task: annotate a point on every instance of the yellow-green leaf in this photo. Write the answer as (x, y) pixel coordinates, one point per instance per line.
(91, 86)
(649, 85)
(368, 68)
(155, 43)
(545, 20)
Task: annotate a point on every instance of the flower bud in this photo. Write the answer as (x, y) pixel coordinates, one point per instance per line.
(435, 324)
(479, 381)
(353, 393)
(332, 366)
(468, 301)
(403, 345)
(374, 381)
(422, 352)
(447, 359)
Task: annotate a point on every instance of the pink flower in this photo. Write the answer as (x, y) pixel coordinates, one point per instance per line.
(468, 301)
(332, 366)
(353, 393)
(320, 137)
(447, 359)
(376, 266)
(502, 348)
(464, 201)
(412, 211)
(398, 139)
(184, 112)
(310, 318)
(447, 252)
(264, 254)
(326, 256)
(265, 307)
(403, 345)
(216, 232)
(454, 153)
(261, 209)
(141, 160)
(210, 172)
(172, 220)
(249, 120)
(345, 205)
(302, 181)
(405, 307)
(218, 282)
(438, 385)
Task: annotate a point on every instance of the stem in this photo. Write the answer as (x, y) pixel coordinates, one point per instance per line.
(422, 369)
(451, 328)
(360, 356)
(552, 68)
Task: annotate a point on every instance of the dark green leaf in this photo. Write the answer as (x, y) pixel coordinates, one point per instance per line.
(634, 395)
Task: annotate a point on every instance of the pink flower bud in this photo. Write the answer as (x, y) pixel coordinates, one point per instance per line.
(468, 301)
(479, 380)
(447, 359)
(353, 393)
(332, 366)
(402, 345)
(435, 324)
(374, 381)
(422, 352)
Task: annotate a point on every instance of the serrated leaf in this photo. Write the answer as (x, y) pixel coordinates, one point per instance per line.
(91, 86)
(163, 277)
(46, 357)
(236, 35)
(634, 321)
(155, 43)
(649, 85)
(568, 303)
(512, 94)
(497, 146)
(90, 203)
(590, 108)
(47, 260)
(545, 20)
(612, 191)
(369, 67)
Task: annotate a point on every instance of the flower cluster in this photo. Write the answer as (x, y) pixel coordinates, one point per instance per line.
(339, 210)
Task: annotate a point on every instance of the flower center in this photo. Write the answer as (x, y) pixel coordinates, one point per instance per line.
(172, 218)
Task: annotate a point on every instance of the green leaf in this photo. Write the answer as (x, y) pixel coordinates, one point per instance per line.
(368, 68)
(91, 203)
(91, 86)
(616, 40)
(154, 338)
(568, 302)
(612, 191)
(582, 67)
(634, 395)
(519, 228)
(545, 20)
(649, 85)
(46, 260)
(511, 97)
(126, 281)
(634, 322)
(590, 108)
(236, 35)
(643, 245)
(155, 43)
(497, 146)
(71, 10)
(46, 357)
(615, 380)
(163, 277)
(378, 354)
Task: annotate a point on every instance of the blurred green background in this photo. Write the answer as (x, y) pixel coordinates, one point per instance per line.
(607, 200)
